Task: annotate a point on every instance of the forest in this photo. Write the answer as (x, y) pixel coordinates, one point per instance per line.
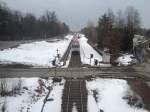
(115, 31)
(15, 25)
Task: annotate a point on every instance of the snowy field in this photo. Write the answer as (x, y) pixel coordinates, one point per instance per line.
(42, 53)
(38, 54)
(86, 50)
(108, 95)
(32, 95)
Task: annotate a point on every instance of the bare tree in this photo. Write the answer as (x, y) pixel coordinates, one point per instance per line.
(120, 20)
(15, 26)
(110, 14)
(132, 19)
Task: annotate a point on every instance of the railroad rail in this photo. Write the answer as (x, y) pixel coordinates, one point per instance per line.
(66, 54)
(73, 46)
(74, 93)
(75, 59)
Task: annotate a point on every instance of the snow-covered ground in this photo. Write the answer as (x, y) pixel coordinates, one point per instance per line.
(32, 95)
(39, 53)
(86, 50)
(42, 53)
(125, 60)
(109, 94)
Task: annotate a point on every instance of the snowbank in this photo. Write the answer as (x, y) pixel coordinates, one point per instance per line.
(110, 93)
(55, 95)
(125, 59)
(37, 53)
(86, 50)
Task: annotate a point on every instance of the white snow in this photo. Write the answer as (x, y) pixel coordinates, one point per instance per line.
(92, 105)
(19, 101)
(10, 84)
(86, 50)
(67, 61)
(36, 53)
(74, 109)
(54, 106)
(51, 106)
(125, 59)
(42, 53)
(110, 96)
(31, 101)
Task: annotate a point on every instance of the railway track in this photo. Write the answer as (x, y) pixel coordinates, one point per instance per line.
(75, 60)
(75, 93)
(66, 55)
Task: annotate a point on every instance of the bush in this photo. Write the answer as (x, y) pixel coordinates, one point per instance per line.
(9, 87)
(57, 79)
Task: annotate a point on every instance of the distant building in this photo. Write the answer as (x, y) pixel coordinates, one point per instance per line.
(138, 39)
(140, 47)
(106, 56)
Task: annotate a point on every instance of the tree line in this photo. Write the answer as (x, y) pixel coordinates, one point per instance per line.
(116, 31)
(15, 25)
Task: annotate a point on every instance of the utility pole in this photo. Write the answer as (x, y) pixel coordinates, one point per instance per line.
(91, 56)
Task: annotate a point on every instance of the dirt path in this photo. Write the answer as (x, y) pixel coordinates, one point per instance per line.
(75, 93)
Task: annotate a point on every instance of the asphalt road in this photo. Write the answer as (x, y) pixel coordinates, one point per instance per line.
(112, 72)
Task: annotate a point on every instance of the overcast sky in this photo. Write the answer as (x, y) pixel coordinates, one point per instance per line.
(77, 13)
